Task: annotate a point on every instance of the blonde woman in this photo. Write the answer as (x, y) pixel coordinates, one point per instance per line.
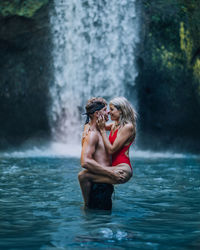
(122, 134)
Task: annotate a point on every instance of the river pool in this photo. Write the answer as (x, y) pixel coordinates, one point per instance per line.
(41, 206)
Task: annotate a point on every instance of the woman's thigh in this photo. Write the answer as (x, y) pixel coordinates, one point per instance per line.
(99, 178)
(123, 169)
(85, 175)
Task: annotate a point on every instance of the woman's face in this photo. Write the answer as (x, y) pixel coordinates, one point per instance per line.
(114, 113)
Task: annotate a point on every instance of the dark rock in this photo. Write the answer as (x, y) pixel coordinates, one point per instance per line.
(100, 196)
(25, 71)
(169, 78)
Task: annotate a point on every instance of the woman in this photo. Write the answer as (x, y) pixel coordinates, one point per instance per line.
(122, 134)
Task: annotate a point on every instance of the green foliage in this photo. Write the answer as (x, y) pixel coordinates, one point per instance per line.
(26, 8)
(173, 40)
(186, 43)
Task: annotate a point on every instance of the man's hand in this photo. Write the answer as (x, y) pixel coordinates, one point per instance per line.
(118, 175)
(101, 123)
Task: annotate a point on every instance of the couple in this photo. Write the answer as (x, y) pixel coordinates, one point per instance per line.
(97, 148)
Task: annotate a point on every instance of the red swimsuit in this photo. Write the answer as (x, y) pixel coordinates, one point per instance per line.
(119, 157)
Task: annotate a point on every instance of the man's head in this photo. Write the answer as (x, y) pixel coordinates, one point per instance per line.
(96, 106)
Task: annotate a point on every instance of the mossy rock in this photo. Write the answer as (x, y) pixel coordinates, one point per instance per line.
(25, 8)
(168, 83)
(25, 69)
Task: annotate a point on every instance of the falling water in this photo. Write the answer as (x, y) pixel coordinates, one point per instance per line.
(93, 54)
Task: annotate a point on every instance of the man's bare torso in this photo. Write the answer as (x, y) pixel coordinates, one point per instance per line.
(100, 155)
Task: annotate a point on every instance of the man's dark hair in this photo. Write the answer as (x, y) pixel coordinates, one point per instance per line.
(94, 104)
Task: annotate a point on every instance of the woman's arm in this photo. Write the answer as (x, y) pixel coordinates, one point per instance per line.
(123, 135)
(108, 126)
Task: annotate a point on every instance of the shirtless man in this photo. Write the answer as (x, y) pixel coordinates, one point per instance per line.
(94, 157)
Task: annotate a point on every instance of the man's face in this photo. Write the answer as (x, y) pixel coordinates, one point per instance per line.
(104, 113)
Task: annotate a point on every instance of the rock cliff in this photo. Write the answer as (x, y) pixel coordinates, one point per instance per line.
(168, 84)
(25, 73)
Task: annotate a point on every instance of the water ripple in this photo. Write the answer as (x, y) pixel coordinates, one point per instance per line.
(41, 206)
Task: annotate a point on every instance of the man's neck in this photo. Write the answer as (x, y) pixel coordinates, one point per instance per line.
(93, 124)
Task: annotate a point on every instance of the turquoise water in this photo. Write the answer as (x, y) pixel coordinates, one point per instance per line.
(41, 206)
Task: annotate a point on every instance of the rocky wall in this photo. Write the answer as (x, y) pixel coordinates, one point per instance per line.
(25, 70)
(168, 84)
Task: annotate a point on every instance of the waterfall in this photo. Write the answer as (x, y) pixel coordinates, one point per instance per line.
(93, 53)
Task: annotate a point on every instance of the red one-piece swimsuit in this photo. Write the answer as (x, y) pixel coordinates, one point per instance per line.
(120, 156)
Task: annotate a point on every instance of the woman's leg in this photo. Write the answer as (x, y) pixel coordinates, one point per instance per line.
(85, 178)
(125, 170)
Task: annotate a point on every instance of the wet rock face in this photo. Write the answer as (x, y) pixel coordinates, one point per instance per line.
(169, 80)
(24, 70)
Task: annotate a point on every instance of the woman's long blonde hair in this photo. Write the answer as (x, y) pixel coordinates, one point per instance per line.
(128, 114)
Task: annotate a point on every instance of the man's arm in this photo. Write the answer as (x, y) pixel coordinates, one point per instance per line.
(87, 160)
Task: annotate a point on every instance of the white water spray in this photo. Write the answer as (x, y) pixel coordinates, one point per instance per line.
(93, 55)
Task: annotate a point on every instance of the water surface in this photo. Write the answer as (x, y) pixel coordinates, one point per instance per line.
(41, 206)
